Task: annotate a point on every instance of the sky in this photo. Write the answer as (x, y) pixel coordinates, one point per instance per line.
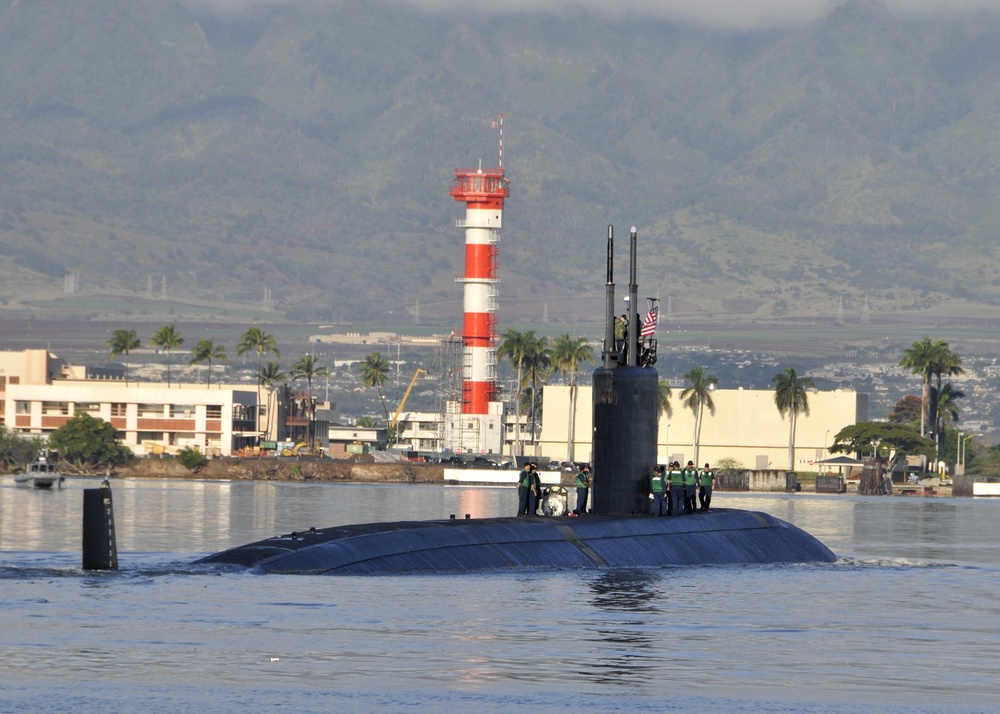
(729, 15)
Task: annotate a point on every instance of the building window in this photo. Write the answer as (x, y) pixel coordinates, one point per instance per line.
(92, 408)
(13, 380)
(151, 410)
(213, 411)
(3, 384)
(117, 410)
(55, 408)
(242, 412)
(22, 407)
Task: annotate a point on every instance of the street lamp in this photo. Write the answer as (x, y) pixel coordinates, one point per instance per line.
(961, 451)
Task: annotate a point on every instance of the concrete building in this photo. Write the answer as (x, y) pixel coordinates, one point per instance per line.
(746, 426)
(26, 367)
(150, 419)
(425, 432)
(344, 439)
(41, 392)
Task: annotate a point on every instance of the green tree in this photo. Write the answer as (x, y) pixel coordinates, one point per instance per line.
(881, 439)
(258, 341)
(18, 451)
(521, 348)
(696, 397)
(308, 368)
(665, 395)
(374, 371)
(207, 351)
(192, 459)
(906, 410)
(983, 462)
(790, 397)
(569, 354)
(928, 358)
(270, 376)
(537, 364)
(88, 443)
(168, 338)
(946, 406)
(122, 342)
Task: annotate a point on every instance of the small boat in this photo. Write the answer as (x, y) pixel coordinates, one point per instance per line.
(41, 474)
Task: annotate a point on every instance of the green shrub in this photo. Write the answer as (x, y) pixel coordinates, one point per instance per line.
(192, 459)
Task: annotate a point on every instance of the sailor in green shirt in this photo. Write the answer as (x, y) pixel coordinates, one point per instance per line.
(690, 475)
(707, 480)
(676, 488)
(583, 482)
(658, 487)
(525, 484)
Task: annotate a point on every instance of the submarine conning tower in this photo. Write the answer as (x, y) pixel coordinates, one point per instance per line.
(626, 407)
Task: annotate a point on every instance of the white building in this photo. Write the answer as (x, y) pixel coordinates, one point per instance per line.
(745, 426)
(41, 393)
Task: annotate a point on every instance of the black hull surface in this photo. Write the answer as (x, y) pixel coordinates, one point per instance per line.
(720, 537)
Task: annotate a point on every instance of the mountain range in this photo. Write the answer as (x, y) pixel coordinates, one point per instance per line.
(293, 162)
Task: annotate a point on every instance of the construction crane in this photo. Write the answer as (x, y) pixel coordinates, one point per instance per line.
(402, 402)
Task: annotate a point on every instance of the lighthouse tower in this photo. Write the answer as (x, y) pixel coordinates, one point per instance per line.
(483, 192)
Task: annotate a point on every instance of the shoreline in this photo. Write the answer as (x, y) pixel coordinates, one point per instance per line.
(360, 471)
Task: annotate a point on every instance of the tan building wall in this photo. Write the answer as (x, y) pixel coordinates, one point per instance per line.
(172, 417)
(26, 367)
(746, 426)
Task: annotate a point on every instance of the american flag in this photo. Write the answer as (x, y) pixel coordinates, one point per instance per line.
(649, 324)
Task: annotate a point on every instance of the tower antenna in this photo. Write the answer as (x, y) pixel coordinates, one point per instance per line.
(497, 124)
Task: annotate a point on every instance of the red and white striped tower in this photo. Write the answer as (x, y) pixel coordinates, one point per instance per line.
(482, 191)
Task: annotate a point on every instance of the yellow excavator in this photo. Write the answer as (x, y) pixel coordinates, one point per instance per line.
(402, 402)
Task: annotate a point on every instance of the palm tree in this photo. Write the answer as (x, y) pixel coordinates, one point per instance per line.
(375, 372)
(537, 363)
(790, 397)
(519, 348)
(270, 375)
(665, 394)
(208, 351)
(923, 357)
(260, 342)
(122, 342)
(947, 406)
(949, 364)
(568, 356)
(308, 368)
(169, 338)
(945, 410)
(697, 397)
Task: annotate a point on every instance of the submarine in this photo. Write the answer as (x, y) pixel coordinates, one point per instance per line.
(618, 532)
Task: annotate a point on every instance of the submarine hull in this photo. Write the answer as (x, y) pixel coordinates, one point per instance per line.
(719, 537)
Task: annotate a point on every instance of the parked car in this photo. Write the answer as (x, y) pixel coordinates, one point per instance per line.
(481, 462)
(453, 461)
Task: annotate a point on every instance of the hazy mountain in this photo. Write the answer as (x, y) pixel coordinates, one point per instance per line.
(307, 148)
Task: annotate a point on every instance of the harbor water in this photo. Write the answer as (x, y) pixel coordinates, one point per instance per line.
(905, 621)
